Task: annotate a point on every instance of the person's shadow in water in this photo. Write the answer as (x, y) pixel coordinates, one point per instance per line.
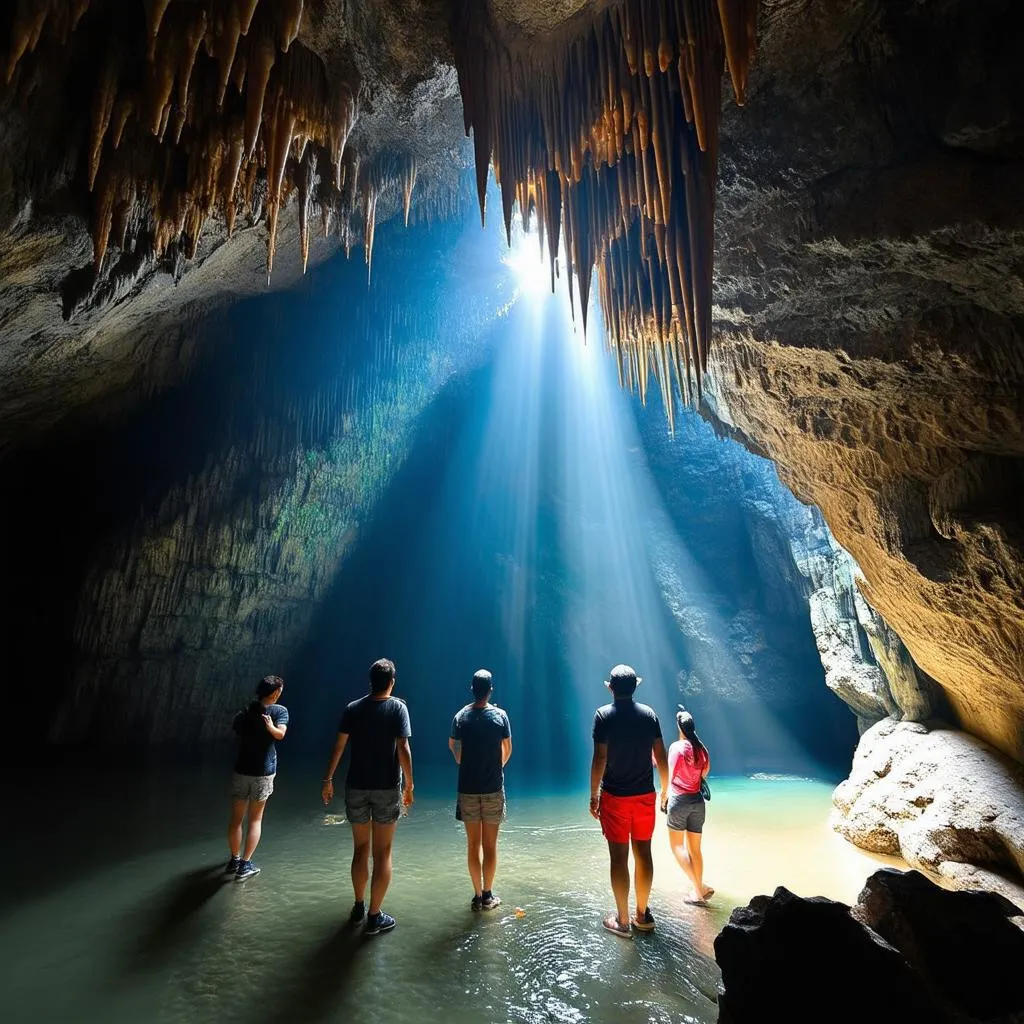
(169, 922)
(316, 983)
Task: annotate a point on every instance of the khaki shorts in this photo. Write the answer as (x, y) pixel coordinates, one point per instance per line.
(251, 787)
(486, 807)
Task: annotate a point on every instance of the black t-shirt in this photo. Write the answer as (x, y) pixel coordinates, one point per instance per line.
(480, 731)
(257, 754)
(630, 730)
(373, 726)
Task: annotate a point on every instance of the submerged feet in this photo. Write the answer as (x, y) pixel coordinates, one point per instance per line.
(379, 922)
(644, 922)
(617, 927)
(700, 901)
(246, 869)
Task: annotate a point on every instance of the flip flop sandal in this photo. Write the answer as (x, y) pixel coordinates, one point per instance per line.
(645, 923)
(616, 927)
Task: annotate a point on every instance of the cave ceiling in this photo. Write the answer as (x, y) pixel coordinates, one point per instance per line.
(833, 268)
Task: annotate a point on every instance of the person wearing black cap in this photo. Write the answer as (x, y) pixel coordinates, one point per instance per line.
(258, 726)
(481, 743)
(622, 797)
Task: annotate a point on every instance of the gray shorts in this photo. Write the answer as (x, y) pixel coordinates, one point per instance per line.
(251, 787)
(384, 806)
(486, 807)
(686, 812)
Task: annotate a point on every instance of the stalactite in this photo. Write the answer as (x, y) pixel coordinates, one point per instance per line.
(226, 91)
(611, 132)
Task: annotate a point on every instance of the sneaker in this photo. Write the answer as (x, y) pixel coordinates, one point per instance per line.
(489, 901)
(477, 901)
(379, 922)
(231, 868)
(358, 912)
(246, 869)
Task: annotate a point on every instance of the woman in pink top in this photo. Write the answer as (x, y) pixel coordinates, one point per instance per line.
(688, 763)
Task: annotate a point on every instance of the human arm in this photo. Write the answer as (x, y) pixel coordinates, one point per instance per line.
(597, 766)
(277, 731)
(707, 764)
(405, 760)
(661, 760)
(455, 740)
(339, 748)
(506, 740)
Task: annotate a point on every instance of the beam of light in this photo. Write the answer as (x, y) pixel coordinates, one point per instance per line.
(528, 266)
(545, 551)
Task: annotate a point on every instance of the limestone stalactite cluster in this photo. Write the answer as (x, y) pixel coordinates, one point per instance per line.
(202, 107)
(610, 135)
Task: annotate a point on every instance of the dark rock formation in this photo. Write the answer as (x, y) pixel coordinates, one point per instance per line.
(961, 943)
(917, 952)
(782, 954)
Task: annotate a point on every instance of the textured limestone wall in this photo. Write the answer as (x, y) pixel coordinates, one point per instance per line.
(870, 318)
(944, 801)
(253, 480)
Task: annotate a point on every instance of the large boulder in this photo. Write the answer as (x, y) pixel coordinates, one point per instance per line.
(789, 956)
(908, 951)
(942, 800)
(960, 943)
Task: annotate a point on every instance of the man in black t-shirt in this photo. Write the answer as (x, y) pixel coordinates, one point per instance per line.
(376, 729)
(627, 742)
(262, 722)
(481, 742)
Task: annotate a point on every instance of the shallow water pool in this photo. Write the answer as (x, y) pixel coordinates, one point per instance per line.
(117, 911)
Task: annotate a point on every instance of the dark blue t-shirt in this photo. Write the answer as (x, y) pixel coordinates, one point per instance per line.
(373, 726)
(630, 730)
(480, 731)
(257, 754)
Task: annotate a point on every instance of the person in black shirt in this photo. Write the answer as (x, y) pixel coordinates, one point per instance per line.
(262, 722)
(376, 728)
(481, 742)
(627, 739)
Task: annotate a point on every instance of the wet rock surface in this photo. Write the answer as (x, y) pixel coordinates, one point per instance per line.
(918, 952)
(942, 800)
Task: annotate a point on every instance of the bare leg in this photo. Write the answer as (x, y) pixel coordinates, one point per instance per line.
(383, 835)
(677, 840)
(697, 860)
(643, 870)
(490, 848)
(474, 854)
(360, 860)
(235, 826)
(619, 854)
(255, 830)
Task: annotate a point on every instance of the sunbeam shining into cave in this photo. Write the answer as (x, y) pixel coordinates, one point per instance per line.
(531, 537)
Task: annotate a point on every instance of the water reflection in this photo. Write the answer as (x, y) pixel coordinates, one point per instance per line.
(157, 937)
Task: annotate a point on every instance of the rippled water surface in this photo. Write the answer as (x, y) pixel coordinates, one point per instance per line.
(116, 911)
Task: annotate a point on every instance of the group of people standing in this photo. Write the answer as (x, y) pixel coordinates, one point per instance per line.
(628, 747)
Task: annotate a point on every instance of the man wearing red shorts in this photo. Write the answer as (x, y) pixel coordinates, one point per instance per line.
(622, 796)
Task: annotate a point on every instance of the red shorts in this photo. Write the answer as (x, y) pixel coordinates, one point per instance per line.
(627, 817)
